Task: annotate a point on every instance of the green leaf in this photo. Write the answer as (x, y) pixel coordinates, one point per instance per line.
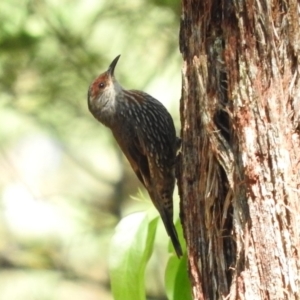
(130, 250)
(177, 283)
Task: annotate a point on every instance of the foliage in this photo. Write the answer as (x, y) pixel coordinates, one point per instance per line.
(177, 282)
(131, 248)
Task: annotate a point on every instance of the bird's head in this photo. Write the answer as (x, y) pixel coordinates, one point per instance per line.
(103, 90)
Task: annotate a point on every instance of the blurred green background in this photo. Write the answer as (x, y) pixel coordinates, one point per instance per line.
(64, 184)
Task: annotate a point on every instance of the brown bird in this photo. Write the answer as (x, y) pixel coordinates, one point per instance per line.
(145, 132)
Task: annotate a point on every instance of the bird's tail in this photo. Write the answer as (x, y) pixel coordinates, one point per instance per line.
(171, 230)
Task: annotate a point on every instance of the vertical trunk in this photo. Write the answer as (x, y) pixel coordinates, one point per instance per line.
(239, 168)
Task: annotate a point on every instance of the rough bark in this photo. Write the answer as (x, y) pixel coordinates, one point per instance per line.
(240, 162)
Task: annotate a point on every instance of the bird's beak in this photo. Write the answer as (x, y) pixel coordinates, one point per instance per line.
(112, 66)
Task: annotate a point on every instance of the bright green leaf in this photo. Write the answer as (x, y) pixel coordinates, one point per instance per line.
(176, 279)
(130, 250)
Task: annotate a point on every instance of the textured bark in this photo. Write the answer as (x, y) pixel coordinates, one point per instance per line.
(240, 163)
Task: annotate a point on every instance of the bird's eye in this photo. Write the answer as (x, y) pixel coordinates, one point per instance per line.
(101, 85)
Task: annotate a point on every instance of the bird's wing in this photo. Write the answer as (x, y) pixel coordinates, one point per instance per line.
(140, 167)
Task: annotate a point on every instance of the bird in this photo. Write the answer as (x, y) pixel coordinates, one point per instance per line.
(145, 132)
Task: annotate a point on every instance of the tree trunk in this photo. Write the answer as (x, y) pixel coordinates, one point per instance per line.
(239, 171)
